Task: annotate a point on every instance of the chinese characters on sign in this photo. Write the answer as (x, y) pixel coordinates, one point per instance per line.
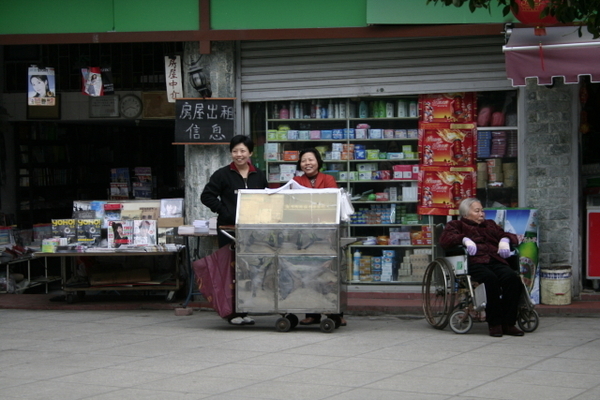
(204, 120)
(173, 78)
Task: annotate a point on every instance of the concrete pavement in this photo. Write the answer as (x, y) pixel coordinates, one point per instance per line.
(153, 354)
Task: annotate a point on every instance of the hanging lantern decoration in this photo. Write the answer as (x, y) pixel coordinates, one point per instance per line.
(531, 15)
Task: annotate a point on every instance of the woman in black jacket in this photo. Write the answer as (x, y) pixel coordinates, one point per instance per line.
(220, 193)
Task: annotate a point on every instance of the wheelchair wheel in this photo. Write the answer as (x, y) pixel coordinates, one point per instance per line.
(438, 293)
(461, 321)
(528, 319)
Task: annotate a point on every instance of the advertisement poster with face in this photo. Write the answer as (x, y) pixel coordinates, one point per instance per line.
(92, 81)
(41, 87)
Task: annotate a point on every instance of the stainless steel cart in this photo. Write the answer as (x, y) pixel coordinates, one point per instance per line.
(288, 255)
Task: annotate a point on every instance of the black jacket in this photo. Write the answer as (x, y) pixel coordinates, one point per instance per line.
(220, 193)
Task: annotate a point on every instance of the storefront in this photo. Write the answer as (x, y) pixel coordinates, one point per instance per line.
(317, 88)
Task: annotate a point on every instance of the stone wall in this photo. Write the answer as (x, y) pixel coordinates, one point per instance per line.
(552, 182)
(202, 160)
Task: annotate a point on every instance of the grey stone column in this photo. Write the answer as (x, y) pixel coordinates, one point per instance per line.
(202, 160)
(552, 172)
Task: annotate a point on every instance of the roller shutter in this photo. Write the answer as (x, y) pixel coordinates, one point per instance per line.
(302, 69)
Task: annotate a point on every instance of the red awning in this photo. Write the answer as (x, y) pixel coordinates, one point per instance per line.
(560, 53)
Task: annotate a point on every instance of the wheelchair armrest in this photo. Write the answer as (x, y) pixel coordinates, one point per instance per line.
(459, 250)
(514, 260)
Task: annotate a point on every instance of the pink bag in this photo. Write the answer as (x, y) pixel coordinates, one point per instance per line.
(215, 279)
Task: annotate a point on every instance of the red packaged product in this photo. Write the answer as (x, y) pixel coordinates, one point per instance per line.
(444, 144)
(441, 189)
(448, 107)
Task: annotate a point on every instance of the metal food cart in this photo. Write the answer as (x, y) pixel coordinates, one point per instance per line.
(288, 255)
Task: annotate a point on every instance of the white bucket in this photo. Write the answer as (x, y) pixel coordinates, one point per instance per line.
(555, 285)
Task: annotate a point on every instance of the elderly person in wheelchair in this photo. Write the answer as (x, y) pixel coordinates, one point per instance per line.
(488, 247)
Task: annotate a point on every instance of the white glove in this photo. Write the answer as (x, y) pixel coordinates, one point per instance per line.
(504, 248)
(471, 247)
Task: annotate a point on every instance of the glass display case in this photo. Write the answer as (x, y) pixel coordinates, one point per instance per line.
(288, 253)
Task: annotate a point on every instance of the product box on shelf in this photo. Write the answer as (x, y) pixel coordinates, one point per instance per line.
(360, 133)
(441, 189)
(362, 167)
(272, 151)
(445, 144)
(447, 107)
(290, 155)
(406, 172)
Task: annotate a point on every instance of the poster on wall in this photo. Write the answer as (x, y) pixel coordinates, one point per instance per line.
(523, 222)
(41, 86)
(91, 81)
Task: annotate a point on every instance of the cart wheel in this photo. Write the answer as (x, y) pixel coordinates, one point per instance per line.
(293, 320)
(337, 320)
(70, 298)
(282, 324)
(80, 294)
(528, 320)
(461, 321)
(327, 325)
(438, 292)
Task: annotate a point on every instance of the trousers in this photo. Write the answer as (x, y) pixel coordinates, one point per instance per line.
(503, 288)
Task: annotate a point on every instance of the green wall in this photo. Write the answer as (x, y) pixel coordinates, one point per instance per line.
(419, 12)
(281, 14)
(77, 16)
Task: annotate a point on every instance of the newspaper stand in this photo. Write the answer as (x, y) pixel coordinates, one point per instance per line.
(288, 255)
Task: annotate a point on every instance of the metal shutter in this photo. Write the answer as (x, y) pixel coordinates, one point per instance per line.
(302, 69)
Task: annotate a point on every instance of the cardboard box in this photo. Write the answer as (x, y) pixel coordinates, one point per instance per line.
(447, 107)
(448, 144)
(290, 155)
(169, 222)
(441, 189)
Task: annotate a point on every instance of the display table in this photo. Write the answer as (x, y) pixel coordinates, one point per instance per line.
(9, 262)
(74, 288)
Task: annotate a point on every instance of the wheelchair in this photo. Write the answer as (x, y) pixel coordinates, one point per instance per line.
(451, 297)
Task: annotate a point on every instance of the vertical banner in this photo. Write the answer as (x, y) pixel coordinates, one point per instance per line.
(107, 81)
(173, 74)
(91, 80)
(41, 86)
(523, 222)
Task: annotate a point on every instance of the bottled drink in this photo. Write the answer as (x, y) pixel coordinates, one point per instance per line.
(313, 109)
(389, 109)
(330, 112)
(412, 109)
(318, 109)
(356, 266)
(402, 108)
(284, 113)
(275, 111)
(342, 109)
(528, 251)
(363, 110)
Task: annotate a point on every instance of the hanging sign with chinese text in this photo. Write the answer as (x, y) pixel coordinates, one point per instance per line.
(204, 120)
(173, 78)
